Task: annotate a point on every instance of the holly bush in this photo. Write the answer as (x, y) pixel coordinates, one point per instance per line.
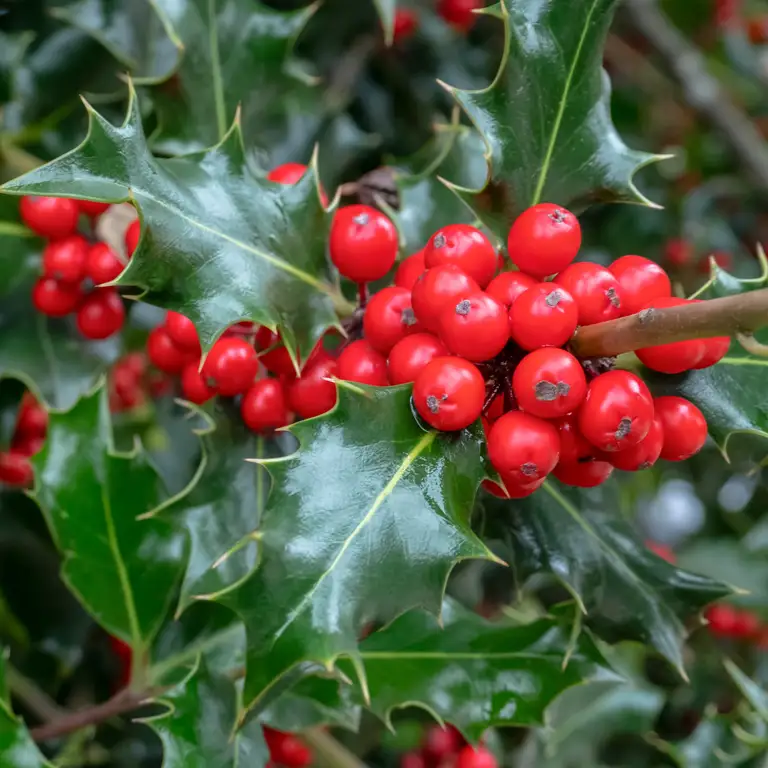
(379, 387)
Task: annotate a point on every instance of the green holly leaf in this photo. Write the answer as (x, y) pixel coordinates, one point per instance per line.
(546, 117)
(474, 673)
(219, 245)
(625, 591)
(365, 521)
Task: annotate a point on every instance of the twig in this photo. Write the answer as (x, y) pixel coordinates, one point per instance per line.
(728, 316)
(701, 90)
(331, 752)
(33, 698)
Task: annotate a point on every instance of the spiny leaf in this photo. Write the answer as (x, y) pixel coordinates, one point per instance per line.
(365, 521)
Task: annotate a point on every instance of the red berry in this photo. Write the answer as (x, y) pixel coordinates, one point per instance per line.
(544, 316)
(388, 318)
(363, 243)
(476, 327)
(51, 217)
(314, 393)
(411, 354)
(544, 239)
(231, 366)
(193, 386)
(495, 409)
(679, 252)
(441, 743)
(642, 281)
(182, 331)
(287, 173)
(164, 354)
(466, 247)
(715, 349)
(617, 412)
(459, 13)
(360, 362)
(595, 290)
(65, 260)
(410, 270)
(32, 419)
(126, 383)
(586, 474)
(15, 470)
(549, 383)
(103, 265)
(101, 314)
(288, 750)
(406, 23)
(92, 208)
(507, 286)
(437, 289)
(523, 447)
(449, 393)
(684, 426)
(514, 489)
(132, 235)
(264, 406)
(476, 757)
(723, 619)
(55, 299)
(746, 625)
(412, 760)
(662, 550)
(574, 447)
(135, 362)
(643, 455)
(676, 357)
(27, 445)
(277, 360)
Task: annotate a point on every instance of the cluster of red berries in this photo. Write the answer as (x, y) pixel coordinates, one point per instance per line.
(73, 266)
(28, 438)
(460, 14)
(446, 748)
(286, 749)
(733, 623)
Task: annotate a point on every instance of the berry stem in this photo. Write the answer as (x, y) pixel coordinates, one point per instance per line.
(362, 295)
(728, 316)
(492, 391)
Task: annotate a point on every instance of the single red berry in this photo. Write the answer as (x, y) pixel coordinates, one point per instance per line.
(287, 173)
(388, 318)
(292, 753)
(466, 247)
(27, 445)
(314, 392)
(676, 357)
(642, 281)
(595, 290)
(101, 314)
(757, 29)
(32, 419)
(518, 490)
(410, 270)
(476, 757)
(182, 331)
(684, 425)
(549, 383)
(193, 385)
(164, 354)
(276, 360)
(586, 474)
(126, 383)
(135, 362)
(65, 260)
(507, 286)
(449, 393)
(412, 760)
(265, 406)
(411, 354)
(92, 208)
(132, 235)
(441, 743)
(617, 412)
(679, 252)
(663, 551)
(102, 264)
(51, 217)
(544, 239)
(495, 489)
(55, 299)
(715, 349)
(363, 243)
(231, 366)
(360, 362)
(523, 447)
(495, 409)
(746, 625)
(459, 13)
(406, 23)
(574, 447)
(124, 656)
(544, 316)
(437, 289)
(15, 470)
(643, 455)
(476, 327)
(723, 619)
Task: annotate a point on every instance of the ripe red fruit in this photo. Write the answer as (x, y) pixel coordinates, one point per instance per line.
(314, 393)
(412, 760)
(643, 455)
(584, 474)
(617, 412)
(363, 243)
(723, 619)
(193, 386)
(715, 349)
(264, 406)
(287, 173)
(441, 743)
(642, 281)
(27, 445)
(92, 208)
(746, 625)
(676, 357)
(476, 757)
(507, 286)
(182, 331)
(678, 252)
(287, 750)
(101, 314)
(388, 318)
(475, 328)
(15, 469)
(466, 247)
(411, 354)
(449, 393)
(55, 299)
(684, 425)
(549, 383)
(663, 551)
(523, 447)
(360, 362)
(544, 316)
(544, 239)
(514, 489)
(51, 217)
(574, 447)
(164, 354)
(406, 23)
(132, 235)
(65, 260)
(32, 419)
(102, 264)
(459, 13)
(126, 383)
(409, 270)
(437, 289)
(595, 290)
(231, 366)
(277, 360)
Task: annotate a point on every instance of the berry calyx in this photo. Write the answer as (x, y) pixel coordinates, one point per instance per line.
(102, 264)
(643, 455)
(544, 239)
(475, 328)
(449, 393)
(360, 362)
(131, 237)
(595, 290)
(363, 243)
(411, 354)
(466, 247)
(101, 314)
(544, 316)
(459, 13)
(476, 757)
(314, 392)
(231, 366)
(51, 217)
(182, 331)
(523, 447)
(65, 260)
(410, 270)
(164, 354)
(587, 474)
(287, 173)
(676, 357)
(437, 289)
(684, 427)
(549, 383)
(264, 406)
(642, 281)
(507, 286)
(55, 299)
(193, 385)
(388, 318)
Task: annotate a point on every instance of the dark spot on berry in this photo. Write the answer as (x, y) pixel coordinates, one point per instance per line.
(558, 216)
(433, 404)
(361, 219)
(545, 391)
(645, 465)
(624, 428)
(613, 298)
(463, 307)
(407, 317)
(439, 241)
(529, 469)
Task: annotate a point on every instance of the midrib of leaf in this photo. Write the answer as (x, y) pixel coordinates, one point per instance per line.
(561, 110)
(743, 361)
(451, 656)
(218, 84)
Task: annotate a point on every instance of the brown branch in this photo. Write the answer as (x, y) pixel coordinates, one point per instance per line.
(744, 313)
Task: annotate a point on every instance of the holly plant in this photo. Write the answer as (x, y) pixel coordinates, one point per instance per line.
(360, 404)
